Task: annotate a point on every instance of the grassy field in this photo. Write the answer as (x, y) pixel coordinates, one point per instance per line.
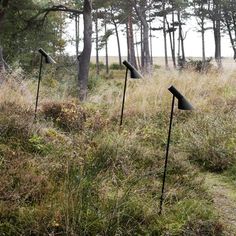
(228, 63)
(74, 171)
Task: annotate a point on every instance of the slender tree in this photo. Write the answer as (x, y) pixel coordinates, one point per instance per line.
(229, 21)
(3, 7)
(201, 12)
(130, 40)
(84, 59)
(141, 9)
(216, 17)
(161, 12)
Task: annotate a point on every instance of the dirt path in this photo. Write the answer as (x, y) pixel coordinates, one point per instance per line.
(224, 197)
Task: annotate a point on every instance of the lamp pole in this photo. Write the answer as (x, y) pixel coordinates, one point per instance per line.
(183, 104)
(123, 101)
(39, 80)
(167, 153)
(134, 74)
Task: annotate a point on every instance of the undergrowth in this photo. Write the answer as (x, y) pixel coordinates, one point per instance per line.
(73, 171)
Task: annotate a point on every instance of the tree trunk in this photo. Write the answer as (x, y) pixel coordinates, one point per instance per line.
(173, 40)
(127, 38)
(86, 53)
(97, 47)
(106, 46)
(137, 51)
(131, 42)
(203, 44)
(141, 46)
(181, 38)
(234, 25)
(76, 36)
(171, 45)
(151, 53)
(164, 35)
(147, 60)
(118, 42)
(2, 66)
(3, 6)
(217, 32)
(226, 16)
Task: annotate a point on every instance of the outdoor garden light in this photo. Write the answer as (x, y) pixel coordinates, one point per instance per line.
(183, 104)
(134, 74)
(48, 60)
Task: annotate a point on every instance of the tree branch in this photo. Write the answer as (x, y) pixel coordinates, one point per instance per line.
(63, 8)
(46, 11)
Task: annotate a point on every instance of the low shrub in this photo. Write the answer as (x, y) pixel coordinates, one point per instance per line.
(93, 82)
(93, 66)
(116, 66)
(16, 124)
(67, 115)
(198, 65)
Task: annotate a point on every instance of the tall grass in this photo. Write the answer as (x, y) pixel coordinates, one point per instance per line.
(146, 97)
(75, 172)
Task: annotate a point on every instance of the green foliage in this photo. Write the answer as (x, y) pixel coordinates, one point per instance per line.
(37, 145)
(116, 66)
(157, 67)
(24, 33)
(93, 66)
(231, 173)
(93, 82)
(105, 38)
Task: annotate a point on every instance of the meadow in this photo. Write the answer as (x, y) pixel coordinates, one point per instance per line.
(74, 171)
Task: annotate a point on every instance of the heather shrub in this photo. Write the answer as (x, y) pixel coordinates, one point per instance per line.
(67, 115)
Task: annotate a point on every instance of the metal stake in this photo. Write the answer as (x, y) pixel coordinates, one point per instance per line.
(167, 152)
(123, 102)
(39, 80)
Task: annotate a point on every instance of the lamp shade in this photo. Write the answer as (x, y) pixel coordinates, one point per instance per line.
(183, 104)
(48, 59)
(134, 74)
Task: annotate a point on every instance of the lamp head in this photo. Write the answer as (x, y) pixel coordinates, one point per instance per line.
(183, 104)
(48, 59)
(134, 74)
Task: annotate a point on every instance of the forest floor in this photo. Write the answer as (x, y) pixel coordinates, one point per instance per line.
(224, 198)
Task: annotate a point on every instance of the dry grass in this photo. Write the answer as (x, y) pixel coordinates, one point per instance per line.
(101, 180)
(148, 96)
(15, 90)
(228, 63)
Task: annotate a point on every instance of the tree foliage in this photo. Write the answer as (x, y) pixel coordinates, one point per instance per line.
(24, 33)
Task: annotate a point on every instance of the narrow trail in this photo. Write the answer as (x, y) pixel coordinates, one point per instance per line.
(224, 198)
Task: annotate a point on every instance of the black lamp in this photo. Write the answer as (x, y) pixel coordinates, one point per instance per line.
(48, 60)
(134, 74)
(183, 104)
